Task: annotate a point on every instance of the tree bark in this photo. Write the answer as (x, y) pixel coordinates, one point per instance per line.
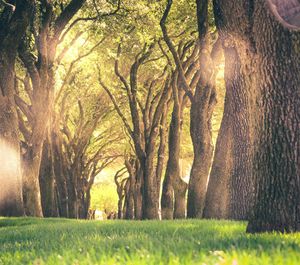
(13, 26)
(47, 182)
(173, 192)
(138, 194)
(180, 189)
(59, 173)
(202, 107)
(231, 173)
(41, 72)
(277, 146)
(201, 113)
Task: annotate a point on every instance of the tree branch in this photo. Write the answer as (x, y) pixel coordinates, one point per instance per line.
(173, 50)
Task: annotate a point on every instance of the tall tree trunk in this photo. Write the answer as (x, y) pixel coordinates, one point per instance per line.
(163, 136)
(41, 72)
(31, 168)
(217, 195)
(138, 194)
(151, 194)
(129, 201)
(231, 170)
(231, 173)
(73, 204)
(201, 112)
(202, 107)
(173, 168)
(43, 86)
(277, 146)
(173, 193)
(14, 23)
(11, 202)
(47, 183)
(87, 203)
(59, 173)
(180, 189)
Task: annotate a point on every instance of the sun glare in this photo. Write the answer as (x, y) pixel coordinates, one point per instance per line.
(9, 171)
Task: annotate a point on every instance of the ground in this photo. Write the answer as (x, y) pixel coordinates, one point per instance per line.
(61, 241)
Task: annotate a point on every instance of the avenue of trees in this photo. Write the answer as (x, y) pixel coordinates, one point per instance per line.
(139, 86)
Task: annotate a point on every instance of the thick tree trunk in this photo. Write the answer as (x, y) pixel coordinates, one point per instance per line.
(31, 186)
(201, 113)
(31, 165)
(202, 107)
(138, 194)
(11, 202)
(129, 199)
(217, 195)
(173, 193)
(231, 170)
(173, 168)
(120, 207)
(47, 183)
(59, 173)
(180, 189)
(163, 137)
(231, 173)
(150, 193)
(277, 149)
(13, 26)
(41, 72)
(72, 197)
(87, 203)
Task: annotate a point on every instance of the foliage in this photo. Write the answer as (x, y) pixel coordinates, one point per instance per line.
(53, 241)
(104, 197)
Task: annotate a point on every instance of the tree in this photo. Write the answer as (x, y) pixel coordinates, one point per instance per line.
(145, 118)
(14, 20)
(260, 67)
(230, 187)
(202, 104)
(47, 37)
(173, 199)
(276, 156)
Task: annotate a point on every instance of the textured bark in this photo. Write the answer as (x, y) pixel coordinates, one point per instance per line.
(129, 200)
(47, 182)
(11, 202)
(13, 26)
(41, 72)
(201, 113)
(163, 141)
(174, 189)
(180, 189)
(138, 196)
(231, 173)
(202, 107)
(276, 160)
(173, 168)
(59, 172)
(217, 195)
(73, 200)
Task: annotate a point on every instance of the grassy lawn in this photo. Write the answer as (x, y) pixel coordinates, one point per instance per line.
(61, 241)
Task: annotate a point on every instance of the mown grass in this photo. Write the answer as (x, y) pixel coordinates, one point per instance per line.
(61, 241)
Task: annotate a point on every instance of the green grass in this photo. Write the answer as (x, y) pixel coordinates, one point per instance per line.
(61, 241)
